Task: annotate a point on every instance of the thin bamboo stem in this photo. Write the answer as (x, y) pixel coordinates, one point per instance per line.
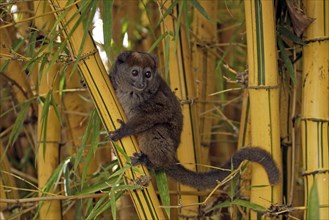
(315, 108)
(95, 76)
(264, 95)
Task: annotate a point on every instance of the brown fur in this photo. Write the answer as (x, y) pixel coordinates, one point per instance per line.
(155, 118)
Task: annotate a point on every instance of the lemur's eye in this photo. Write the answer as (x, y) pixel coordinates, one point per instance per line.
(148, 74)
(134, 72)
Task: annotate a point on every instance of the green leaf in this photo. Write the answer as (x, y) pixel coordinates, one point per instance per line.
(313, 204)
(94, 136)
(177, 28)
(54, 104)
(15, 47)
(107, 26)
(85, 138)
(156, 43)
(167, 55)
(162, 183)
(187, 23)
(286, 60)
(248, 204)
(44, 120)
(197, 5)
(17, 127)
(55, 178)
(168, 11)
(120, 150)
(224, 204)
(290, 35)
(96, 209)
(113, 205)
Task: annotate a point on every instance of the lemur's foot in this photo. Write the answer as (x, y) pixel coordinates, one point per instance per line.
(139, 159)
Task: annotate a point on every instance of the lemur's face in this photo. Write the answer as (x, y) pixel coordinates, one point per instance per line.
(136, 71)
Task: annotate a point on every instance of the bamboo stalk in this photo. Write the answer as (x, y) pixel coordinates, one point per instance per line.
(76, 111)
(49, 128)
(49, 138)
(6, 180)
(182, 81)
(93, 71)
(264, 95)
(204, 70)
(315, 107)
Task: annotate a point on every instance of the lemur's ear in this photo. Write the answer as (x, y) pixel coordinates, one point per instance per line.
(155, 59)
(123, 56)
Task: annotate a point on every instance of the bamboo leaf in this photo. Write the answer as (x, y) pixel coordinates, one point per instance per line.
(168, 11)
(32, 45)
(248, 204)
(167, 55)
(44, 61)
(90, 206)
(93, 71)
(162, 183)
(286, 60)
(107, 26)
(313, 204)
(177, 27)
(197, 5)
(127, 187)
(84, 140)
(239, 202)
(121, 151)
(156, 43)
(187, 23)
(102, 205)
(88, 11)
(94, 135)
(220, 205)
(54, 104)
(95, 210)
(290, 35)
(54, 179)
(113, 206)
(16, 46)
(44, 120)
(19, 122)
(17, 127)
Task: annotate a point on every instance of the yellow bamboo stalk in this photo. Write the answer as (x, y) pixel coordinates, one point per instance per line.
(204, 65)
(6, 181)
(180, 78)
(245, 140)
(315, 107)
(48, 154)
(264, 94)
(94, 73)
(77, 110)
(48, 143)
(14, 69)
(25, 11)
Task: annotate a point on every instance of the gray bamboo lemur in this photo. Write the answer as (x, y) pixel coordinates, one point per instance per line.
(155, 117)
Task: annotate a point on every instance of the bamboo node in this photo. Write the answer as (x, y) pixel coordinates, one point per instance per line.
(189, 101)
(142, 181)
(263, 87)
(85, 56)
(320, 171)
(314, 119)
(320, 39)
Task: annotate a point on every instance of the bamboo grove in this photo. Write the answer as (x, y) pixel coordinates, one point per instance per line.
(247, 73)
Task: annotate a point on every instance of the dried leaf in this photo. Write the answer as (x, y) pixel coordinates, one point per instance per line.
(299, 20)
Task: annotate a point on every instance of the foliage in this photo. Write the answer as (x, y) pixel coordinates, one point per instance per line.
(40, 85)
